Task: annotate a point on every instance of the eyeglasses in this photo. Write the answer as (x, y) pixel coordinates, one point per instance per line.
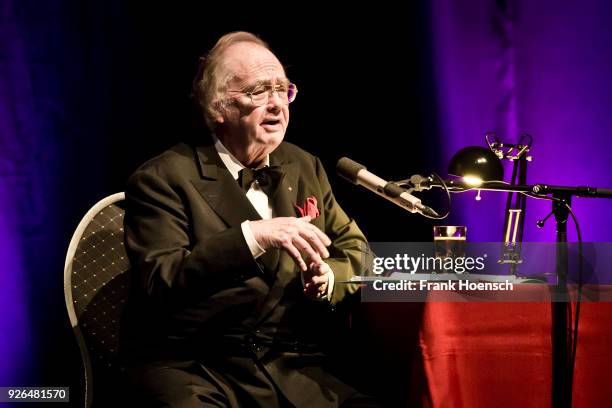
(261, 93)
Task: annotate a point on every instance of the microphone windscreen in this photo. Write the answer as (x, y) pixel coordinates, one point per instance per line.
(348, 169)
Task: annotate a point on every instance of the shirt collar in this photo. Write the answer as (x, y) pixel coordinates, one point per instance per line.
(233, 165)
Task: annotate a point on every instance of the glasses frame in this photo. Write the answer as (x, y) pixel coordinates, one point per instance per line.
(269, 91)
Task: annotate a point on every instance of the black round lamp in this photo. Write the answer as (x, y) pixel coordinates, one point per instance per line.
(476, 161)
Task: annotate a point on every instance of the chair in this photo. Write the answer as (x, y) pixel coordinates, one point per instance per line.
(96, 285)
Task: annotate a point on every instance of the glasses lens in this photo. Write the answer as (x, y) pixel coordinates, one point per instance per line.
(291, 93)
(259, 95)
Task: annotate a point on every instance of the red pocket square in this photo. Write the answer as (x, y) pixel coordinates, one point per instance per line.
(309, 208)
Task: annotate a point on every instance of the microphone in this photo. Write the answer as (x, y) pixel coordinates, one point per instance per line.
(358, 174)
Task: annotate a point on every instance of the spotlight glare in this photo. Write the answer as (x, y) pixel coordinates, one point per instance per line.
(472, 180)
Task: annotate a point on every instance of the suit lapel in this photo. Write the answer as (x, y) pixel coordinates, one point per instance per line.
(285, 196)
(220, 190)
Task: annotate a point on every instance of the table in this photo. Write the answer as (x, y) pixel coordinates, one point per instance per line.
(483, 354)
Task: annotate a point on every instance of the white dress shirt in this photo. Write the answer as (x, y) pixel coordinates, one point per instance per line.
(262, 204)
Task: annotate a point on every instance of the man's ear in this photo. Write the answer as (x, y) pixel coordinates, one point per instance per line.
(218, 112)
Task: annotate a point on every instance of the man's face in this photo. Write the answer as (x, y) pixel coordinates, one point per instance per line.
(249, 131)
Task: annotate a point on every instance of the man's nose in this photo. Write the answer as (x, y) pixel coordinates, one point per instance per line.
(274, 100)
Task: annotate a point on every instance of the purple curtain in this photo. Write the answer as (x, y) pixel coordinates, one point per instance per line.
(14, 323)
(538, 67)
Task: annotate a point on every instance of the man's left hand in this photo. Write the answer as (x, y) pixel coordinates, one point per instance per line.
(316, 280)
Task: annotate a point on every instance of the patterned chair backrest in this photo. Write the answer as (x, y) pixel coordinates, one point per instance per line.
(96, 285)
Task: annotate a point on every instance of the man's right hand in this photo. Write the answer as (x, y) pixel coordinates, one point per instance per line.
(293, 235)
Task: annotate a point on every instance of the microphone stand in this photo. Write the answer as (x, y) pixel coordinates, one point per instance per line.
(561, 325)
(561, 331)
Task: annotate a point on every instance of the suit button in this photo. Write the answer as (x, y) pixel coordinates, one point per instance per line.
(255, 347)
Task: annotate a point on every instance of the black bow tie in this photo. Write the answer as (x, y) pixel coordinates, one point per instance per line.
(268, 178)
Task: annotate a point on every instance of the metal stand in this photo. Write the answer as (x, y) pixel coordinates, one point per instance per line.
(561, 333)
(515, 212)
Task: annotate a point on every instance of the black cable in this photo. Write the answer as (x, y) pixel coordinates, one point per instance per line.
(448, 198)
(572, 361)
(409, 183)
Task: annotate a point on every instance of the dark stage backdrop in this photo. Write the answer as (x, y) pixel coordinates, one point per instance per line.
(89, 90)
(92, 89)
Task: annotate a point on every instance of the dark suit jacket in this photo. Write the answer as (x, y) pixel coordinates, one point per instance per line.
(199, 293)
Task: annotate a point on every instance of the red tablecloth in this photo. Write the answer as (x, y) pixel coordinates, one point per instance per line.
(489, 354)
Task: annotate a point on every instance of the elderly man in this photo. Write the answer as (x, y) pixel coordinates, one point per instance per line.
(240, 252)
